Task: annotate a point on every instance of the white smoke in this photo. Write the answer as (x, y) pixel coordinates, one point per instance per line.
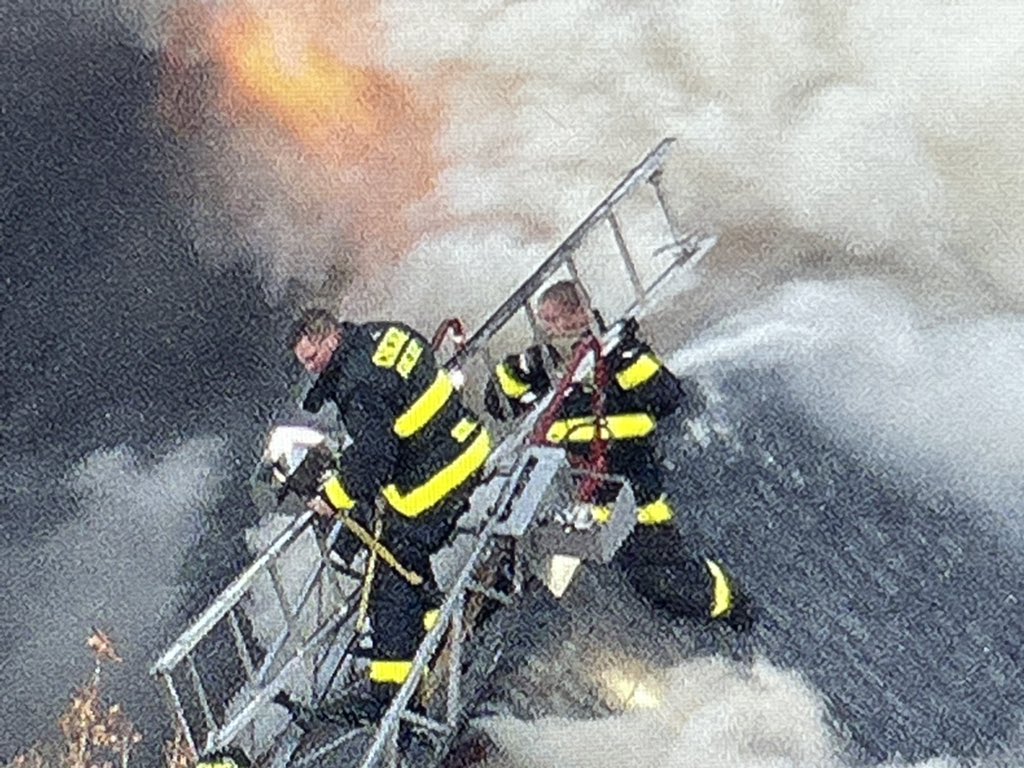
(712, 713)
(868, 138)
(114, 567)
(909, 386)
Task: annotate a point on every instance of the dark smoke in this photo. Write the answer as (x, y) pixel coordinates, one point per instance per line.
(136, 381)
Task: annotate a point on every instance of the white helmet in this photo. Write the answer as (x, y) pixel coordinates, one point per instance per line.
(287, 446)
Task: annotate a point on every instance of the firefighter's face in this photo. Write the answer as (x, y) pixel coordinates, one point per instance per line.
(315, 353)
(561, 321)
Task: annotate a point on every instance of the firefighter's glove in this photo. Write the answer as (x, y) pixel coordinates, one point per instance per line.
(307, 478)
(314, 399)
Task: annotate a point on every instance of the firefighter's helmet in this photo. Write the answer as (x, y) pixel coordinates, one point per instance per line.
(286, 447)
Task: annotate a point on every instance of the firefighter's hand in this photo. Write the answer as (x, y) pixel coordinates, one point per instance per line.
(319, 505)
(307, 478)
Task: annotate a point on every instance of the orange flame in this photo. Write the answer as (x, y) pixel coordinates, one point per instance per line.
(366, 136)
(294, 78)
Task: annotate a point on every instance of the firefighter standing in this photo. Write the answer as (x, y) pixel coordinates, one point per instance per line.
(416, 445)
(655, 558)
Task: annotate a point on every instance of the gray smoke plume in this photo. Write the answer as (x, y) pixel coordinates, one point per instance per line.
(115, 567)
(933, 395)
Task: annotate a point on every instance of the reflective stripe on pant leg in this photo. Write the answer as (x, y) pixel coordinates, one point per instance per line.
(655, 513)
(390, 671)
(641, 370)
(336, 494)
(721, 596)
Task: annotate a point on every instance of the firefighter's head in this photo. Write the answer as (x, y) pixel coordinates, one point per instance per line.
(562, 311)
(314, 338)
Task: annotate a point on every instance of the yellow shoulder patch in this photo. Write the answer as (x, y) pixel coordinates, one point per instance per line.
(389, 347)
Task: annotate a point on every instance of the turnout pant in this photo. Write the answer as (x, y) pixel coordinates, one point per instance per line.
(666, 568)
(400, 614)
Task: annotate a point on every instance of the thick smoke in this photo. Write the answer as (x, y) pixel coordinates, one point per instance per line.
(827, 135)
(807, 131)
(115, 566)
(904, 385)
(820, 140)
(711, 714)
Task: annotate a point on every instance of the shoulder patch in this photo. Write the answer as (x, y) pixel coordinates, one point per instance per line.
(389, 347)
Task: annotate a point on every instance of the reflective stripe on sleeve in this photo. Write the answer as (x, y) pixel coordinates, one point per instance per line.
(336, 494)
(642, 369)
(425, 407)
(511, 385)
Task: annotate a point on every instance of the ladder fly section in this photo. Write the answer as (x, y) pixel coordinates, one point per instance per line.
(584, 257)
(222, 674)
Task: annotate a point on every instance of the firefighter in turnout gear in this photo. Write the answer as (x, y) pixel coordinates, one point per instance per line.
(656, 559)
(416, 446)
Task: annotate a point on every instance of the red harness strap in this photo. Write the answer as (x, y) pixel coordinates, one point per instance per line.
(597, 463)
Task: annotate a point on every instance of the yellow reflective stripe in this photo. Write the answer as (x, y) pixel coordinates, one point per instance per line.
(582, 430)
(419, 500)
(643, 368)
(601, 515)
(389, 347)
(425, 407)
(390, 671)
(218, 764)
(721, 599)
(336, 494)
(409, 359)
(511, 385)
(655, 513)
(430, 618)
(463, 430)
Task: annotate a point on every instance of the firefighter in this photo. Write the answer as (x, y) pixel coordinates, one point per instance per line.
(416, 446)
(656, 559)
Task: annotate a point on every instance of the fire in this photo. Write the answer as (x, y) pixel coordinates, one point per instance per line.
(348, 140)
(283, 70)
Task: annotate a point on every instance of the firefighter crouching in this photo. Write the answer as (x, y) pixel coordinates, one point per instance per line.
(656, 559)
(415, 445)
